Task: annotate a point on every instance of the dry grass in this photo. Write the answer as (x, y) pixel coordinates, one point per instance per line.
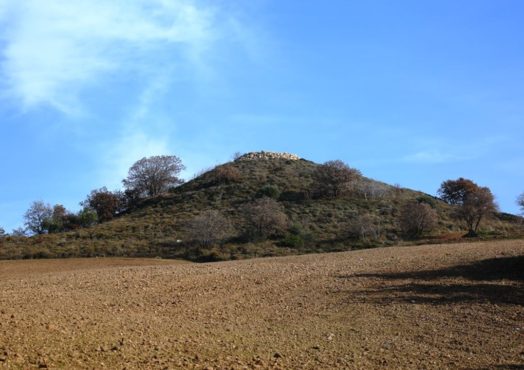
(157, 225)
(424, 307)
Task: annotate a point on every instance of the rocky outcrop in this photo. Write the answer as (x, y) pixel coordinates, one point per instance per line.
(267, 155)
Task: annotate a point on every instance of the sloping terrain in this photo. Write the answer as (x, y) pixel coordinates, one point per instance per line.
(425, 307)
(158, 226)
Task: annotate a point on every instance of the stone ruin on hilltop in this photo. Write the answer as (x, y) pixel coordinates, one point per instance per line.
(268, 155)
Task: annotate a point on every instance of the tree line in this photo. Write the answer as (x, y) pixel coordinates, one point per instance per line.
(149, 177)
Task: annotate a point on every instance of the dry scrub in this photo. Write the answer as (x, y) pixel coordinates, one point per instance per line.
(452, 306)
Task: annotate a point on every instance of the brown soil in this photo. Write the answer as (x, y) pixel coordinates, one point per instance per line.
(427, 307)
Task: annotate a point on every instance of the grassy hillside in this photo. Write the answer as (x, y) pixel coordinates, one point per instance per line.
(365, 217)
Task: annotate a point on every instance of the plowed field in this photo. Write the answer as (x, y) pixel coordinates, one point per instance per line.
(425, 307)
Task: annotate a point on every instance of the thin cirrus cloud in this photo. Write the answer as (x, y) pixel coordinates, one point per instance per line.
(63, 55)
(134, 142)
(437, 150)
(433, 157)
(54, 49)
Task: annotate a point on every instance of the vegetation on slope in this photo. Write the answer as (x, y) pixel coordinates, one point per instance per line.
(310, 219)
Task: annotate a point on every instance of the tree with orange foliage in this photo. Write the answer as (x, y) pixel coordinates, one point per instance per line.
(473, 202)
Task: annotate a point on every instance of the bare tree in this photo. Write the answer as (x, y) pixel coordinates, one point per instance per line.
(209, 227)
(334, 177)
(19, 232)
(477, 206)
(474, 202)
(371, 189)
(154, 175)
(226, 174)
(2, 233)
(36, 217)
(266, 217)
(417, 218)
(397, 191)
(520, 202)
(365, 228)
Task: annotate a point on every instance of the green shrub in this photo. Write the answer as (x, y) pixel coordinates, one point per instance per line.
(294, 196)
(270, 191)
(292, 241)
(427, 199)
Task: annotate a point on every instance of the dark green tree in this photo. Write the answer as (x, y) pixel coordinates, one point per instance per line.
(55, 223)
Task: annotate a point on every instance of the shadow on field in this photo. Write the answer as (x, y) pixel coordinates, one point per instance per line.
(496, 280)
(502, 367)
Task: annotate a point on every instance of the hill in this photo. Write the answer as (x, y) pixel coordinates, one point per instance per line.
(366, 216)
(422, 307)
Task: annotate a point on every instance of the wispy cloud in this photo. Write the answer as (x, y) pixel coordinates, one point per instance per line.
(434, 157)
(54, 49)
(130, 148)
(441, 150)
(142, 133)
(55, 53)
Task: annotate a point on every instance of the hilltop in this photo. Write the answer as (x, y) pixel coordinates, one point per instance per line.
(367, 216)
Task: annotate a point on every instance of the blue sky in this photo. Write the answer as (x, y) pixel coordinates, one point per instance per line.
(409, 92)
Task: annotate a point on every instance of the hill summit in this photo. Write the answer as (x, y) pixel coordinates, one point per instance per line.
(267, 156)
